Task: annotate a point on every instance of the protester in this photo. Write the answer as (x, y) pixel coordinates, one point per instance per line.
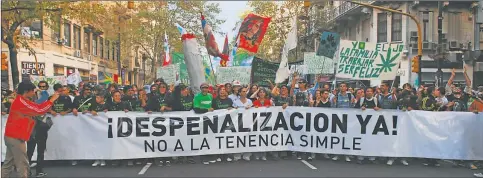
(83, 102)
(343, 99)
(19, 127)
(243, 103)
(223, 102)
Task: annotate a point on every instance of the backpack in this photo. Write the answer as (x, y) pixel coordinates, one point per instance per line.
(374, 99)
(337, 98)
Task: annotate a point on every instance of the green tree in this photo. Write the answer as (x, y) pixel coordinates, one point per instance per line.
(155, 19)
(16, 13)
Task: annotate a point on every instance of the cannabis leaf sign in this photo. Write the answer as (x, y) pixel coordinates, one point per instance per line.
(387, 62)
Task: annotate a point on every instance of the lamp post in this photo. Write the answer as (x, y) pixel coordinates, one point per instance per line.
(439, 73)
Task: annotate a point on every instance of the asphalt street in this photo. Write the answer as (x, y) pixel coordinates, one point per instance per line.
(270, 168)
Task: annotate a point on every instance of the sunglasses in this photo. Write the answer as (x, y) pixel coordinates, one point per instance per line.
(42, 86)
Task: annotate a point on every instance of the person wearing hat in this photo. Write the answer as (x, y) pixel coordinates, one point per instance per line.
(202, 103)
(236, 91)
(83, 102)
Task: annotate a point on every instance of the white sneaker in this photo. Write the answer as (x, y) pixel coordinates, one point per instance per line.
(103, 163)
(299, 157)
(213, 161)
(228, 159)
(206, 162)
(218, 160)
(335, 158)
(95, 163)
(310, 158)
(130, 163)
(326, 156)
(73, 163)
(257, 158)
(478, 174)
(33, 165)
(264, 158)
(404, 162)
(390, 161)
(347, 159)
(246, 158)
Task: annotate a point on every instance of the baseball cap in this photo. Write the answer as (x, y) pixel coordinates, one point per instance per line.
(204, 85)
(236, 83)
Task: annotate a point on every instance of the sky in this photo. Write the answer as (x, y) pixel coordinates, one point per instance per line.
(230, 11)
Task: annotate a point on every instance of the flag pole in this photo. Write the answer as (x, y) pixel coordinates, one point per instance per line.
(212, 71)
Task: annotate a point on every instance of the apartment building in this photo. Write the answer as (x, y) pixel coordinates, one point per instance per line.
(354, 22)
(71, 47)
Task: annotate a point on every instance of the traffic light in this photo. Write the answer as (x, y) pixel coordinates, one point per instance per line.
(130, 4)
(4, 61)
(415, 64)
(306, 3)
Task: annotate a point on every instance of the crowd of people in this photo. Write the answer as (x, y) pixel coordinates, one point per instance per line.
(163, 97)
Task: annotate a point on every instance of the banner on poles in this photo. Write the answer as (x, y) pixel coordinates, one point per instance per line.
(229, 74)
(366, 61)
(384, 133)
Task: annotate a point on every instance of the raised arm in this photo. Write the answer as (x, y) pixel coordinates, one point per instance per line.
(30, 108)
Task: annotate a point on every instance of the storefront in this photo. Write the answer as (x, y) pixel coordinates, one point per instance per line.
(59, 70)
(28, 68)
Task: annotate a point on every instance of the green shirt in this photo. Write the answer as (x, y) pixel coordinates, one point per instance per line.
(202, 101)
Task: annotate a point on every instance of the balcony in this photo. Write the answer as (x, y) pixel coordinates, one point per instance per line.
(345, 8)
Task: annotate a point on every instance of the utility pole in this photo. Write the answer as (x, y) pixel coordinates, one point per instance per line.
(439, 73)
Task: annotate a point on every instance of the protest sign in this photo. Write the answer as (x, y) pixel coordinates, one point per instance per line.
(367, 61)
(263, 70)
(50, 80)
(329, 42)
(168, 73)
(229, 74)
(384, 133)
(318, 64)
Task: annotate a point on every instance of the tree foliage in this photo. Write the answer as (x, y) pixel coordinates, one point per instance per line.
(281, 13)
(17, 13)
(142, 27)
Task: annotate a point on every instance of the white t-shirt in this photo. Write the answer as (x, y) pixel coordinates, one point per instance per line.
(238, 104)
(233, 97)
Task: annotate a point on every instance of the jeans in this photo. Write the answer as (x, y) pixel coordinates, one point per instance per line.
(39, 139)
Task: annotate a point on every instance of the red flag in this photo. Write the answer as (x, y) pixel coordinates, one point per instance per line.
(225, 52)
(210, 41)
(115, 77)
(251, 32)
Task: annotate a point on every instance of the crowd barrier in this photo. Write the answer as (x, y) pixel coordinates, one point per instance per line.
(384, 133)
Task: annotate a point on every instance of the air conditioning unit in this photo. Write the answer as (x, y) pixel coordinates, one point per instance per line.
(427, 46)
(59, 41)
(478, 67)
(77, 53)
(453, 45)
(414, 34)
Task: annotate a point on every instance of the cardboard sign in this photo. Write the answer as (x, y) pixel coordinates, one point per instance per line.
(229, 74)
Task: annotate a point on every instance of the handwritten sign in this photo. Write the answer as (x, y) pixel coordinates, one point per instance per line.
(229, 74)
(168, 73)
(50, 80)
(263, 70)
(318, 64)
(367, 61)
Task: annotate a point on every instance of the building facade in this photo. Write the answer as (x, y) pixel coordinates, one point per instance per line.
(354, 22)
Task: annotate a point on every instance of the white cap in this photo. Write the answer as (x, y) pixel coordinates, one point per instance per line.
(236, 83)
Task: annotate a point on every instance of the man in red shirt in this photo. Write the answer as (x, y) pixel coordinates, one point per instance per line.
(19, 126)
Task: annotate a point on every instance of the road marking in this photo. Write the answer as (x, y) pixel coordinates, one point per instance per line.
(308, 164)
(145, 168)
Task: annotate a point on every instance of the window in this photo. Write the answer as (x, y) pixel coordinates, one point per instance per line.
(87, 41)
(94, 45)
(113, 51)
(108, 49)
(101, 47)
(67, 34)
(55, 30)
(32, 30)
(454, 26)
(396, 27)
(427, 26)
(381, 27)
(77, 37)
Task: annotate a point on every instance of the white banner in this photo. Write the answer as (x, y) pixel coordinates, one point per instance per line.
(386, 133)
(229, 74)
(318, 64)
(366, 61)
